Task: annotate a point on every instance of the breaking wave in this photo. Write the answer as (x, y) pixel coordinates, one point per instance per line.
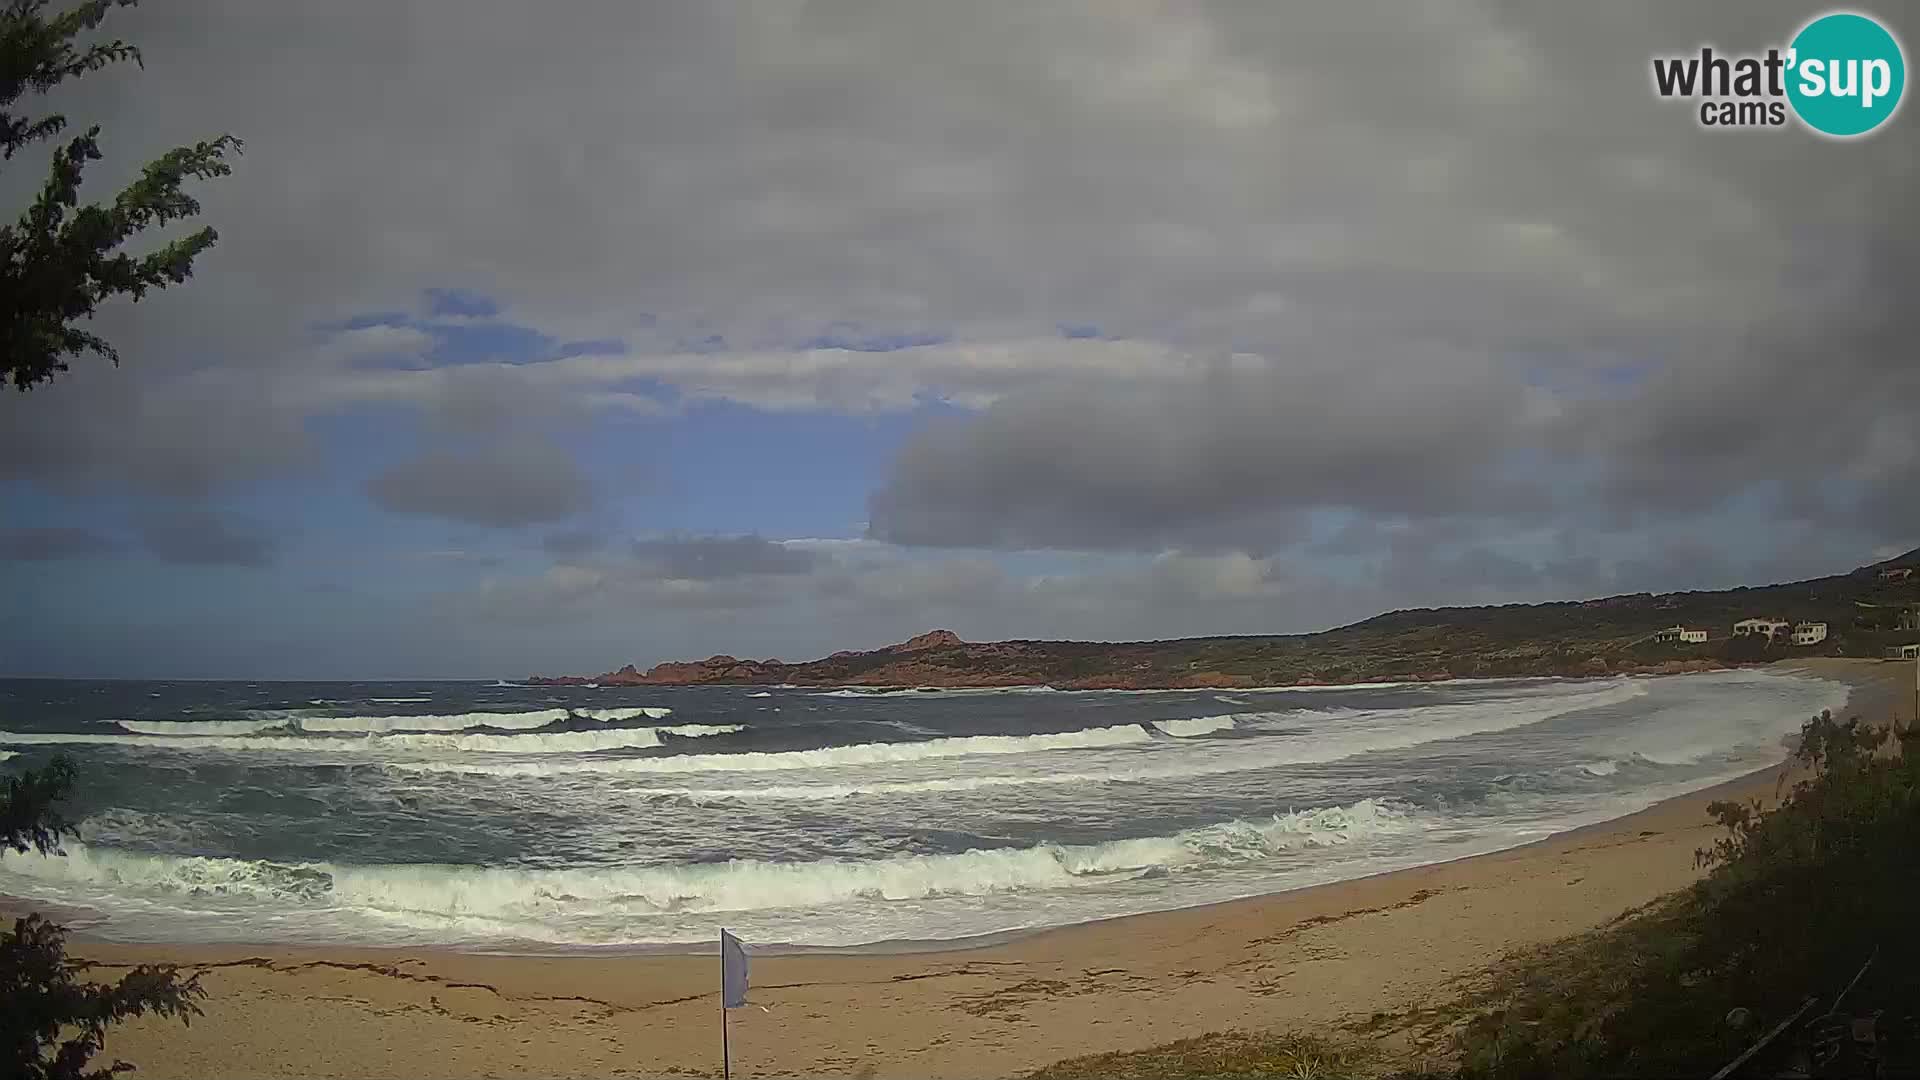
(362, 725)
(651, 712)
(202, 727)
(553, 742)
(497, 893)
(826, 757)
(1199, 725)
(1358, 732)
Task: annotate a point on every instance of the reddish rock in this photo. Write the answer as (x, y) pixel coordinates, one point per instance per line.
(932, 639)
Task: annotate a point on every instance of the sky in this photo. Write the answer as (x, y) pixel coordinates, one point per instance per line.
(549, 338)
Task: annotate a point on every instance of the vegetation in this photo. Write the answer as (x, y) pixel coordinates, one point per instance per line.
(53, 1023)
(1863, 612)
(1813, 899)
(1798, 901)
(60, 259)
(1226, 1056)
(58, 262)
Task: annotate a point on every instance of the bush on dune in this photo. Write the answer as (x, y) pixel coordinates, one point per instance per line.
(1797, 901)
(1798, 898)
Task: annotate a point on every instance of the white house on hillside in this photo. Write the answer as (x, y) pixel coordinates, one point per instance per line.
(1681, 634)
(1763, 627)
(1904, 652)
(1809, 633)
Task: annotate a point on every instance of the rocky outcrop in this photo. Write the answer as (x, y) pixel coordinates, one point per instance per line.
(932, 639)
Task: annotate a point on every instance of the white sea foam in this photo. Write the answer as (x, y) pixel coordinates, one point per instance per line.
(930, 691)
(1589, 767)
(5, 754)
(361, 725)
(651, 712)
(551, 742)
(398, 700)
(762, 693)
(180, 742)
(826, 757)
(1698, 725)
(741, 885)
(1338, 734)
(1199, 725)
(200, 727)
(205, 738)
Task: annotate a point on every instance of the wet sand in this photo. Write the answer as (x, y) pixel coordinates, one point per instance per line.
(1305, 959)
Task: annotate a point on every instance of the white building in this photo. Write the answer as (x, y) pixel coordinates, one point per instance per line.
(1693, 637)
(1809, 633)
(1904, 652)
(1763, 627)
(1680, 634)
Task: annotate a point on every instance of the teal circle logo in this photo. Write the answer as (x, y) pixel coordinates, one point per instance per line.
(1846, 76)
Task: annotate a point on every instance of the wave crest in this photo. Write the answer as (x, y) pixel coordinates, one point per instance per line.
(202, 727)
(467, 892)
(825, 757)
(1199, 725)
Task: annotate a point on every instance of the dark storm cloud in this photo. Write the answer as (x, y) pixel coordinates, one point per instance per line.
(712, 558)
(193, 536)
(513, 484)
(50, 544)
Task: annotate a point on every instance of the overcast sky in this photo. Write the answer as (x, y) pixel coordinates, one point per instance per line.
(554, 337)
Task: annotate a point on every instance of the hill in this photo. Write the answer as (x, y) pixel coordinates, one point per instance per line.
(1866, 611)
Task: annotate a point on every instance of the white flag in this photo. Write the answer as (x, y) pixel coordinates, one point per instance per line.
(733, 971)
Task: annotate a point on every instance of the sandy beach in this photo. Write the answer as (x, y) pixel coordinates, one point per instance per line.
(1304, 959)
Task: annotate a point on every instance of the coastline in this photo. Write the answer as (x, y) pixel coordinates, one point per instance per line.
(1308, 958)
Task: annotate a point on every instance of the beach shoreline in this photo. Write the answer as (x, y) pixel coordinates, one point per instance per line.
(1308, 958)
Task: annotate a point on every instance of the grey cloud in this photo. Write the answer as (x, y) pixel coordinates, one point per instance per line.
(892, 587)
(102, 429)
(1228, 461)
(715, 557)
(508, 485)
(572, 543)
(195, 536)
(1371, 196)
(53, 543)
(570, 593)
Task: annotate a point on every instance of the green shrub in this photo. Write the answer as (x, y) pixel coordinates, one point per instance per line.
(1797, 900)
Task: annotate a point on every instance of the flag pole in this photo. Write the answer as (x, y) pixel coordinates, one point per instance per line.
(726, 1058)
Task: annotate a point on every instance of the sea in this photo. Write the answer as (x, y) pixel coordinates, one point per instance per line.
(490, 816)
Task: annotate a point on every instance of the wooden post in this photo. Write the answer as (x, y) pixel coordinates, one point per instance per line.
(726, 1059)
